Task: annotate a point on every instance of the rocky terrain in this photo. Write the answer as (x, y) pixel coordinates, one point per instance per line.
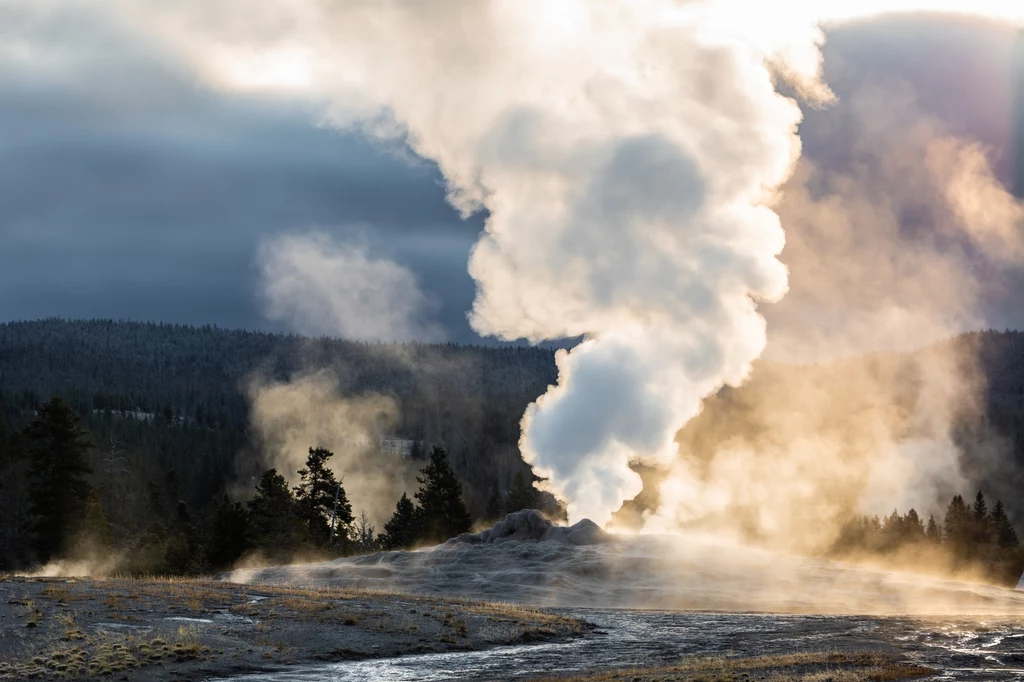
(197, 629)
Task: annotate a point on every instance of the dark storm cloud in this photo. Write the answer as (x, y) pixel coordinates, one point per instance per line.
(128, 190)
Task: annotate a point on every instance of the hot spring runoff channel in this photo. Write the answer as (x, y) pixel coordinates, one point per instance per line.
(974, 648)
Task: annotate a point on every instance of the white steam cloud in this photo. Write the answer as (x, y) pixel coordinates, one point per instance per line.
(624, 151)
(320, 287)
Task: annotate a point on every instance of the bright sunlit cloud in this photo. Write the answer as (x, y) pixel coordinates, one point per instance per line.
(286, 69)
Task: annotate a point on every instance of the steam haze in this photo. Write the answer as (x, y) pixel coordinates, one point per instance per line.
(323, 288)
(309, 411)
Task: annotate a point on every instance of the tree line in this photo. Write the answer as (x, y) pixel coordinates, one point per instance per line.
(157, 397)
(52, 508)
(968, 537)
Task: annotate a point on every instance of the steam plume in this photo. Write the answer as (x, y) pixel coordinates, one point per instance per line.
(625, 153)
(321, 287)
(310, 410)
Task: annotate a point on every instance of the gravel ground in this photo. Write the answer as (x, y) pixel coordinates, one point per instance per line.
(194, 629)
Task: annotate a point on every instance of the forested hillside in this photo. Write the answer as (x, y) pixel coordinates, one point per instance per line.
(167, 411)
(158, 397)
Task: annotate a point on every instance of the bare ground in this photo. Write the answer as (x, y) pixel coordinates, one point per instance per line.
(153, 629)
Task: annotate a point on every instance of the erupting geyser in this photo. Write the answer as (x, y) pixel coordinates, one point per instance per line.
(625, 153)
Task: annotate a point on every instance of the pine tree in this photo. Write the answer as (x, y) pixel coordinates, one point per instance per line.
(227, 525)
(400, 531)
(182, 555)
(980, 507)
(315, 496)
(275, 524)
(932, 533)
(57, 447)
(980, 532)
(363, 534)
(913, 528)
(442, 514)
(1002, 530)
(15, 517)
(957, 525)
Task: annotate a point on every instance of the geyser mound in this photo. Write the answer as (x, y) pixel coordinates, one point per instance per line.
(527, 559)
(529, 525)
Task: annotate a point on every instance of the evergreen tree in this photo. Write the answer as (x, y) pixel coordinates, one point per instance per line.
(1002, 530)
(400, 531)
(980, 508)
(169, 545)
(932, 533)
(980, 521)
(315, 496)
(226, 528)
(913, 528)
(57, 447)
(182, 554)
(15, 517)
(275, 524)
(957, 525)
(363, 534)
(522, 494)
(442, 514)
(495, 509)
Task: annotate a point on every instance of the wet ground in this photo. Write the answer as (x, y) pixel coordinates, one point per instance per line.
(200, 629)
(958, 649)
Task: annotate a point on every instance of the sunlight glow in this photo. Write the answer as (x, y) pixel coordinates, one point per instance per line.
(281, 69)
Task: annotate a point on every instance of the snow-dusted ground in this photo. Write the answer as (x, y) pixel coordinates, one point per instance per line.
(672, 572)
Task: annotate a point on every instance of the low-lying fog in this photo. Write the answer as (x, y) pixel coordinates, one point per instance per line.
(668, 572)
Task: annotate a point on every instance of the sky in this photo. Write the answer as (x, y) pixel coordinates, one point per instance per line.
(130, 189)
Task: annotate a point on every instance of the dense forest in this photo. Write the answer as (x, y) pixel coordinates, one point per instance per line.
(52, 510)
(168, 421)
(159, 397)
(972, 541)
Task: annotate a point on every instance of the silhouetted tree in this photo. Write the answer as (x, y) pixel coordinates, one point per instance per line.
(932, 532)
(400, 531)
(957, 525)
(57, 447)
(363, 534)
(315, 496)
(275, 524)
(980, 531)
(15, 515)
(183, 555)
(913, 528)
(226, 528)
(1002, 531)
(441, 514)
